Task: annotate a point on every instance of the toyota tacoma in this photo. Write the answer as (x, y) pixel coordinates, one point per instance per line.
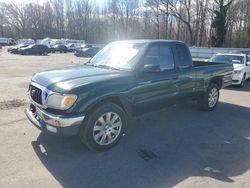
(125, 79)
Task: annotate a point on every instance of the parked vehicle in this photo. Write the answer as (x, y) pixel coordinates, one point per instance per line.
(14, 49)
(86, 52)
(25, 41)
(241, 64)
(7, 41)
(73, 46)
(86, 46)
(34, 49)
(59, 48)
(124, 79)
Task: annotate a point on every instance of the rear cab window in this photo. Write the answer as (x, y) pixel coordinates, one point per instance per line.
(160, 54)
(182, 56)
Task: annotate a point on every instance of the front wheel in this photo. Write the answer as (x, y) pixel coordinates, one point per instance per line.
(210, 99)
(103, 127)
(243, 80)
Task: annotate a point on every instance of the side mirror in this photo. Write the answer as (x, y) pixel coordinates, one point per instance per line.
(151, 68)
(248, 63)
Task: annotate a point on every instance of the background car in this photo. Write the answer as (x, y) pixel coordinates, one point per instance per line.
(240, 63)
(58, 48)
(34, 49)
(15, 49)
(7, 41)
(73, 46)
(87, 52)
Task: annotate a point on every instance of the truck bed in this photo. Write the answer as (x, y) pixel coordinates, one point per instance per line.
(204, 63)
(206, 71)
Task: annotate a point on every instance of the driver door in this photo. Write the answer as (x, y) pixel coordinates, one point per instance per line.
(156, 89)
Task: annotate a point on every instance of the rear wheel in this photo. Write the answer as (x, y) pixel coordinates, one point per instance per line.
(210, 99)
(103, 127)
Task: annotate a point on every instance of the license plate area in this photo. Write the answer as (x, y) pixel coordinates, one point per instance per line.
(36, 116)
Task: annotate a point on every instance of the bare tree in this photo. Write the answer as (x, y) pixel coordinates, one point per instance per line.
(187, 20)
(220, 22)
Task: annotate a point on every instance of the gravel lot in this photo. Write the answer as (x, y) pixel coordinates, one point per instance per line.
(176, 147)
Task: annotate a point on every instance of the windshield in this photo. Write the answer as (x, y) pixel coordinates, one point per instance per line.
(28, 46)
(234, 59)
(118, 55)
(20, 45)
(85, 49)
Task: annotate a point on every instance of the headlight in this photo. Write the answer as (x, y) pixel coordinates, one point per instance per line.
(238, 71)
(60, 102)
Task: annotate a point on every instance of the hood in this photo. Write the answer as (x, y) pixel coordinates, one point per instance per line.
(238, 66)
(72, 77)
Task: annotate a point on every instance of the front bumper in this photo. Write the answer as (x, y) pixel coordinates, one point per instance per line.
(237, 78)
(59, 125)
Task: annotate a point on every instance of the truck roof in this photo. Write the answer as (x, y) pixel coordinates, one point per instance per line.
(151, 41)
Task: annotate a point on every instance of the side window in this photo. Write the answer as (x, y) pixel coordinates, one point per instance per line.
(166, 59)
(160, 55)
(152, 56)
(182, 56)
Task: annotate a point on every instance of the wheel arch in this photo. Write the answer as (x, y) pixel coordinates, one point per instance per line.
(119, 101)
(217, 81)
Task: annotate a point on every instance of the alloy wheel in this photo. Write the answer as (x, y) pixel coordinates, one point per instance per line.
(213, 97)
(107, 128)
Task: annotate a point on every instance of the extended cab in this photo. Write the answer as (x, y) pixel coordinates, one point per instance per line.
(241, 64)
(124, 79)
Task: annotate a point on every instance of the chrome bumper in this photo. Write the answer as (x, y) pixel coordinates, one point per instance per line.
(41, 117)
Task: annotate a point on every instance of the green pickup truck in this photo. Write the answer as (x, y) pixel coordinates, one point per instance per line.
(125, 79)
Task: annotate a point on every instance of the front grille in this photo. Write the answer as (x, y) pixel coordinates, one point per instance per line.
(36, 94)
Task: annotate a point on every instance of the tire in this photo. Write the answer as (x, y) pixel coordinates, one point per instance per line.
(97, 133)
(45, 53)
(26, 53)
(243, 80)
(210, 99)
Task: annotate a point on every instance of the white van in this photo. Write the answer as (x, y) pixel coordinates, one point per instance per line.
(7, 41)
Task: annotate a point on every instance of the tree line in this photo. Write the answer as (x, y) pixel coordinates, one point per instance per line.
(220, 23)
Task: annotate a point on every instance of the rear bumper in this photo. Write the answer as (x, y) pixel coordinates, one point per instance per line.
(59, 125)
